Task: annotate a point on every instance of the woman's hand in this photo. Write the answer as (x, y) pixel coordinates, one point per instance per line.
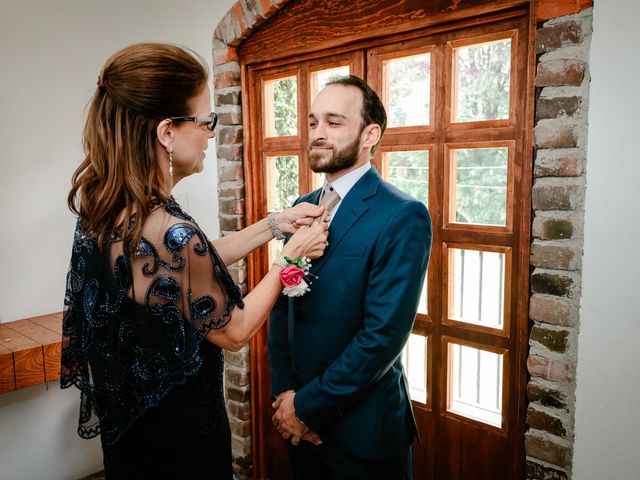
(302, 214)
(308, 241)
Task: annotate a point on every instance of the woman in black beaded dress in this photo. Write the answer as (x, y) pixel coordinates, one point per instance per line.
(149, 301)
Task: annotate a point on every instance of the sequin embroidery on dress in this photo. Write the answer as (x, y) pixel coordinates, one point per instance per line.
(133, 331)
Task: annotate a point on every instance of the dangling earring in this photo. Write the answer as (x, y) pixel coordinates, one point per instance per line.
(170, 164)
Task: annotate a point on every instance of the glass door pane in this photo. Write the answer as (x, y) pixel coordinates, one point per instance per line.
(281, 107)
(406, 83)
(409, 171)
(477, 283)
(319, 78)
(282, 179)
(479, 191)
(482, 81)
(475, 383)
(414, 359)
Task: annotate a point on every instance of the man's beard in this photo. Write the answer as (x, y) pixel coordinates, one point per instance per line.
(339, 160)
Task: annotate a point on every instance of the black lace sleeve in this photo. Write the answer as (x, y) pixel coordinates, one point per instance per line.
(132, 326)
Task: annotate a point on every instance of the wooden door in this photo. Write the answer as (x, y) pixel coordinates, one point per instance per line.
(461, 152)
(284, 95)
(456, 100)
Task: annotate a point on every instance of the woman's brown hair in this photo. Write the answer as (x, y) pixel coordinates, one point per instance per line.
(138, 87)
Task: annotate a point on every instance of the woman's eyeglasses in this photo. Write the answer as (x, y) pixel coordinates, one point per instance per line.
(209, 122)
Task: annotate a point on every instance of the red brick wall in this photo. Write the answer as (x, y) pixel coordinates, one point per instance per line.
(558, 192)
(548, 9)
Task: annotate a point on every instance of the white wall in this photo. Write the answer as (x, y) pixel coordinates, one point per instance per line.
(607, 443)
(50, 54)
(50, 57)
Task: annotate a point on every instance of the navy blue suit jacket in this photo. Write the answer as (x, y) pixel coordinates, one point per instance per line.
(350, 329)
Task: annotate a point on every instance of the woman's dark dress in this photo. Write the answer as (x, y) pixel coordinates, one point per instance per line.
(133, 342)
(186, 436)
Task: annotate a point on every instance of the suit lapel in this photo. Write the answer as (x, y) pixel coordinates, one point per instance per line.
(353, 206)
(314, 197)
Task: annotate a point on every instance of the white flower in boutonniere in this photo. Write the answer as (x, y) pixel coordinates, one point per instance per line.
(297, 290)
(293, 275)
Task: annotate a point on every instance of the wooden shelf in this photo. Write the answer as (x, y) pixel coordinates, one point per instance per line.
(30, 351)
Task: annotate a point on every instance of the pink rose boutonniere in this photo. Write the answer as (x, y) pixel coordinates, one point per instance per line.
(293, 275)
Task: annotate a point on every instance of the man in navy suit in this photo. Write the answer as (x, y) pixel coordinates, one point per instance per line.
(336, 351)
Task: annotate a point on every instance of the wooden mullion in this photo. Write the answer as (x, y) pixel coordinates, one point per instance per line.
(407, 147)
(492, 130)
(482, 339)
(279, 143)
(276, 150)
(374, 79)
(436, 192)
(358, 63)
(304, 104)
(477, 236)
(422, 325)
(411, 136)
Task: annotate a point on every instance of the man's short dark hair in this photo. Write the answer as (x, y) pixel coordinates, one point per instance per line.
(372, 108)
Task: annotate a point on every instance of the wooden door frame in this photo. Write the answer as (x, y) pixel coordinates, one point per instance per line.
(254, 210)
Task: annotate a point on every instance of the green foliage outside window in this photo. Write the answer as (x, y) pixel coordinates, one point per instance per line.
(409, 171)
(286, 181)
(409, 91)
(483, 81)
(481, 185)
(483, 93)
(285, 106)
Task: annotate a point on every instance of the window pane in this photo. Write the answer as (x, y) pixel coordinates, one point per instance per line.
(414, 359)
(282, 190)
(481, 185)
(423, 305)
(482, 81)
(282, 180)
(477, 279)
(475, 384)
(409, 171)
(320, 78)
(281, 107)
(407, 81)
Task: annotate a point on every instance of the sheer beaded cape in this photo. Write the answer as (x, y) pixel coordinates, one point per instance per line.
(133, 325)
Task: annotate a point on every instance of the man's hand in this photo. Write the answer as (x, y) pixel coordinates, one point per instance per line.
(288, 424)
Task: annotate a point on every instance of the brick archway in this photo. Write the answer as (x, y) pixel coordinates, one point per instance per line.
(560, 139)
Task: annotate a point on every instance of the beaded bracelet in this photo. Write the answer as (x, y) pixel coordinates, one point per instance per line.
(273, 225)
(281, 262)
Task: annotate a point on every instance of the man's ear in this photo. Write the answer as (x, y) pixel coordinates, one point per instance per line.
(164, 132)
(371, 135)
